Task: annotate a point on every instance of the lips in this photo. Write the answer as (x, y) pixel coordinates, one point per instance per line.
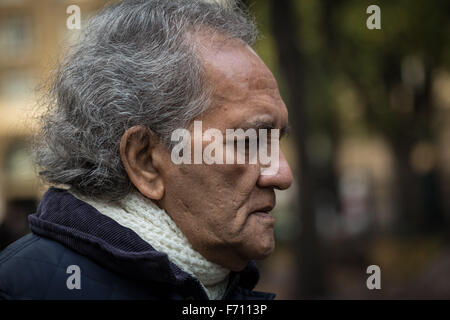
(263, 210)
(266, 208)
(263, 215)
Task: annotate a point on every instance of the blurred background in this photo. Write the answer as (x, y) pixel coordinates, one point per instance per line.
(369, 148)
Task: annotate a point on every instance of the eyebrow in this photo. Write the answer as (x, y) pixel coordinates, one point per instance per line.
(265, 124)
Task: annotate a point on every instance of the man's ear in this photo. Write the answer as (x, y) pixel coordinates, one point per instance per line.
(138, 146)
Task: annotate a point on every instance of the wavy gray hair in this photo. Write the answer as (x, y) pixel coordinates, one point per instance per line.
(133, 66)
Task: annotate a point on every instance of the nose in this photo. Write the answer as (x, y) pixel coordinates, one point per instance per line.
(281, 180)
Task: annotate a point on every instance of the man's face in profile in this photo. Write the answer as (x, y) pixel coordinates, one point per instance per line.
(223, 208)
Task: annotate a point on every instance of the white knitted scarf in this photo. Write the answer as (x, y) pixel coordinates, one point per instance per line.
(156, 227)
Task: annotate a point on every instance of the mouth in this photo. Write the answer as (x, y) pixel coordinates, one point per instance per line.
(265, 209)
(263, 212)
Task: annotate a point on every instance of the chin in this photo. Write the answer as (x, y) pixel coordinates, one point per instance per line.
(263, 250)
(255, 251)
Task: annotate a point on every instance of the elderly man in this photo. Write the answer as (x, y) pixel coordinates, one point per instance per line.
(127, 222)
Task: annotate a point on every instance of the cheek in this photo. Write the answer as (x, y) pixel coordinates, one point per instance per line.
(240, 178)
(225, 185)
(233, 185)
(201, 190)
(215, 195)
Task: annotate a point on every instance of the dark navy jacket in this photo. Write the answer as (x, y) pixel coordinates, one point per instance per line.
(114, 262)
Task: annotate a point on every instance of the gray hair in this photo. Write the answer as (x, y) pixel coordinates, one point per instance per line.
(133, 66)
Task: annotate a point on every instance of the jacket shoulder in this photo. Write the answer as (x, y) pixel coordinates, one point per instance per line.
(35, 267)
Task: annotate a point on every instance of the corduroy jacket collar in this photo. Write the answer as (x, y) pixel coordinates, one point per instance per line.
(79, 226)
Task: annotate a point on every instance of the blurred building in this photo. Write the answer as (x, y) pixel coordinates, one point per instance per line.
(33, 37)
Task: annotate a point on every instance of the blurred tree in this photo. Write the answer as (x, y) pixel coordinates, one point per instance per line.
(392, 72)
(292, 65)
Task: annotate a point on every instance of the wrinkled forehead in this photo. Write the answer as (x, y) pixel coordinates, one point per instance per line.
(244, 89)
(233, 68)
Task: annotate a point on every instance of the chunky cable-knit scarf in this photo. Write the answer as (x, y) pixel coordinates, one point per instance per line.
(156, 227)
